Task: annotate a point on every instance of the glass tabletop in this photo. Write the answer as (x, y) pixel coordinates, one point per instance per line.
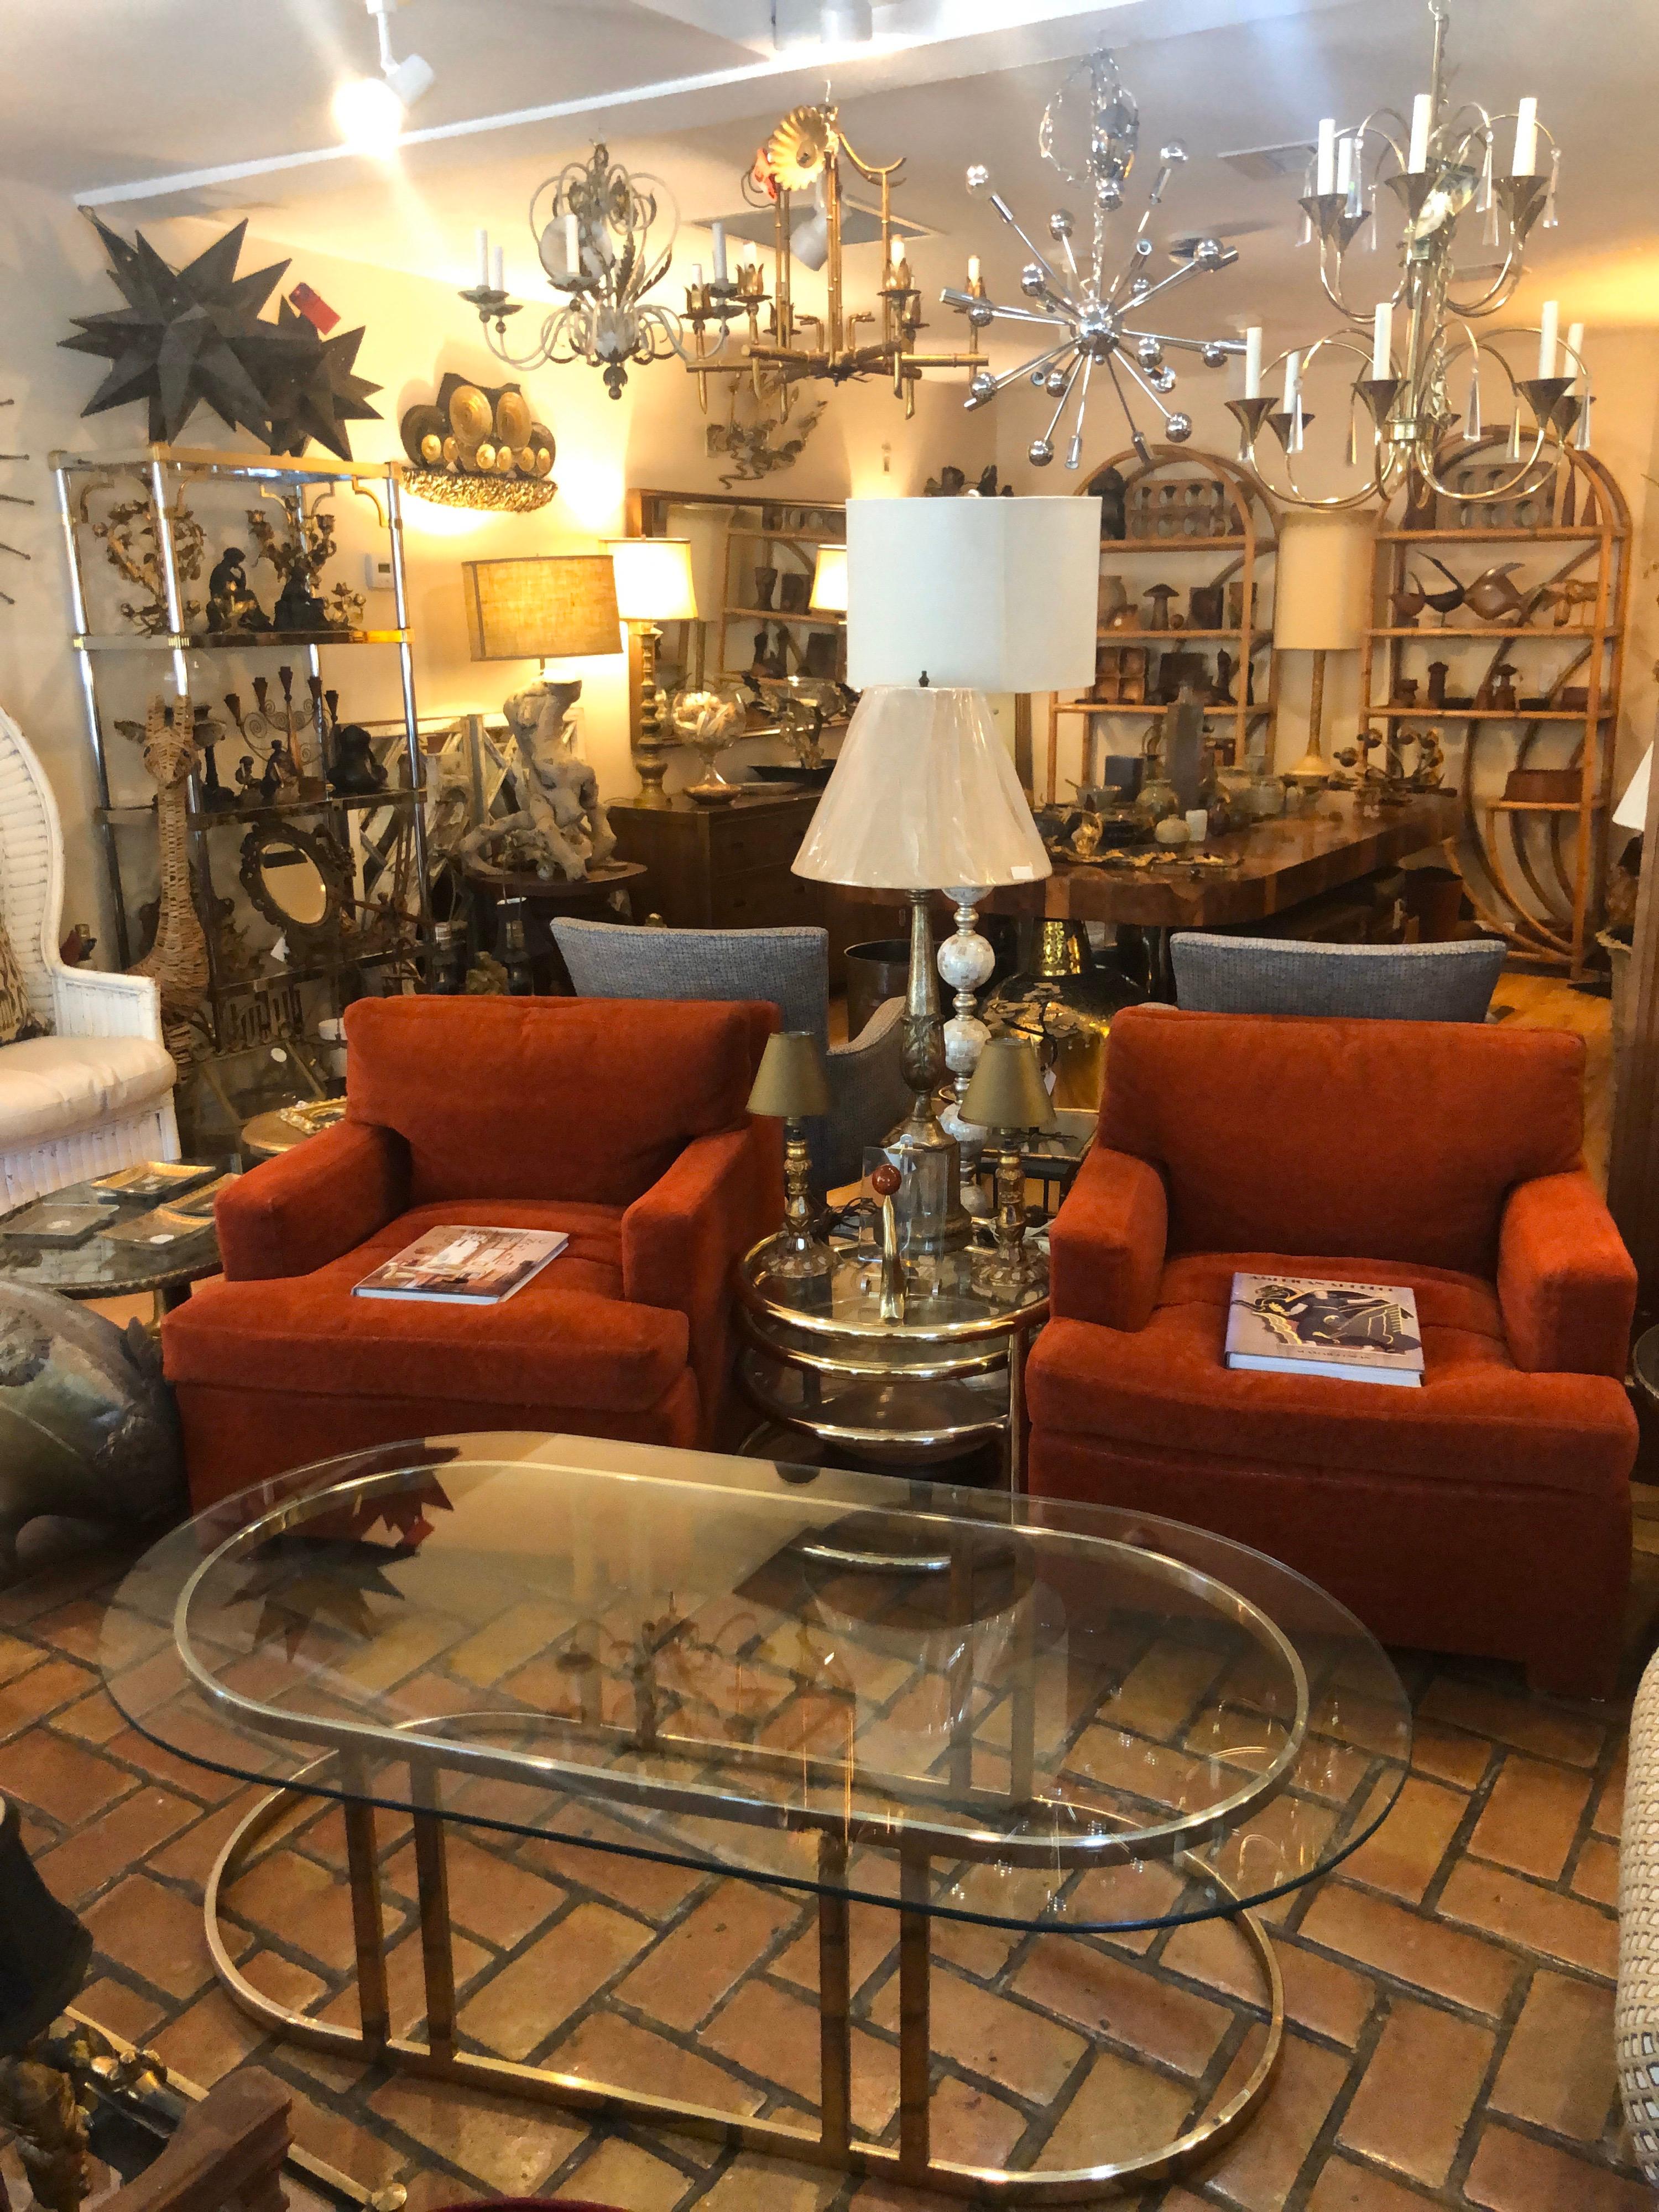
(102, 1266)
(952, 1297)
(1076, 1716)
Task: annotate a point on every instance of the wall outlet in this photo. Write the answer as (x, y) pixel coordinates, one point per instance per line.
(377, 572)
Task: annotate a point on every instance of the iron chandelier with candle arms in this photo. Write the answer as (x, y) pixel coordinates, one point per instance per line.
(1089, 134)
(1443, 163)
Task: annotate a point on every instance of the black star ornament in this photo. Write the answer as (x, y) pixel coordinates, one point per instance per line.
(312, 389)
(187, 337)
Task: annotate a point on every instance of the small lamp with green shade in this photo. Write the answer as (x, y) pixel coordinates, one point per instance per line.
(1008, 1098)
(792, 1085)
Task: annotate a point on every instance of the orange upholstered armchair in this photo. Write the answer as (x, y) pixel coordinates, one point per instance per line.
(621, 1122)
(1488, 1511)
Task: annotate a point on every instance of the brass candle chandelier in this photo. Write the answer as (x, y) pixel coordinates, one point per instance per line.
(1419, 362)
(803, 154)
(1089, 133)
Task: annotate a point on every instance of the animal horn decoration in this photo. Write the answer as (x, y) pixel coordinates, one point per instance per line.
(178, 960)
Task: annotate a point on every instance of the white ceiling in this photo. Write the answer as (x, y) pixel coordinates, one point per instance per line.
(188, 85)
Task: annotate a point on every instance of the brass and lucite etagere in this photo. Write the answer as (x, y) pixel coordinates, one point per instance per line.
(1191, 519)
(1534, 774)
(193, 505)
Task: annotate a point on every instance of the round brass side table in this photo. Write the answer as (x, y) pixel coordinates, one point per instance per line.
(816, 1357)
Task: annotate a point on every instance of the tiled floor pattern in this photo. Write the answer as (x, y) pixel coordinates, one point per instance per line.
(1450, 1987)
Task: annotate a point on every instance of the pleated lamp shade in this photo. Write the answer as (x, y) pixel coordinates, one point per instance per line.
(924, 797)
(559, 606)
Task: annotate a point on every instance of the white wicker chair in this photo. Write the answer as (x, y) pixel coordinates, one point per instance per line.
(1636, 2017)
(96, 1092)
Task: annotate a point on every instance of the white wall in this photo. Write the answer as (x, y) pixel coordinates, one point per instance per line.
(51, 268)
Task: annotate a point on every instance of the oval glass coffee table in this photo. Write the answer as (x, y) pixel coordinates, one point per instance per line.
(946, 1704)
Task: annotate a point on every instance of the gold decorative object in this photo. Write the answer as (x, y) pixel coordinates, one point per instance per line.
(1007, 1099)
(478, 446)
(178, 960)
(127, 534)
(805, 152)
(1450, 159)
(708, 721)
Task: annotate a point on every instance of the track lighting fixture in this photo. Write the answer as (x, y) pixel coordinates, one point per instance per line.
(369, 112)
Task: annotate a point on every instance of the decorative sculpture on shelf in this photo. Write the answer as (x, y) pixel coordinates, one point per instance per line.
(1089, 133)
(299, 555)
(560, 827)
(232, 605)
(178, 960)
(127, 535)
(478, 446)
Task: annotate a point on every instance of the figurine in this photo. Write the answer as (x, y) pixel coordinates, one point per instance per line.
(1492, 596)
(560, 811)
(231, 604)
(1438, 671)
(1111, 488)
(356, 772)
(1407, 603)
(1444, 603)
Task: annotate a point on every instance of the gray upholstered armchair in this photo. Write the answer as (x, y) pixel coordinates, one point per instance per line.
(790, 967)
(1226, 974)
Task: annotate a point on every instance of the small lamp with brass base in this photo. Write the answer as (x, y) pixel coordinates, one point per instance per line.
(792, 1085)
(1008, 1099)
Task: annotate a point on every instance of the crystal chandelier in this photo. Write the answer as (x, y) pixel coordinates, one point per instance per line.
(1441, 165)
(591, 226)
(1088, 134)
(804, 154)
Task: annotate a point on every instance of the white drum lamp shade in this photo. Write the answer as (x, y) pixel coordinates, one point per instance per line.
(977, 594)
(1632, 812)
(1321, 586)
(830, 581)
(653, 579)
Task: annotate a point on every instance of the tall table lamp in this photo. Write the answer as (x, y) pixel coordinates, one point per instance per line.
(555, 606)
(830, 581)
(654, 584)
(947, 600)
(1321, 593)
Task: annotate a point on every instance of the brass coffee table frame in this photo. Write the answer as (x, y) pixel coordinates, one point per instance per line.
(828, 1349)
(353, 1748)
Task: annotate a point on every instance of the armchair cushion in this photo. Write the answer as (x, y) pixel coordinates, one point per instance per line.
(57, 1087)
(1476, 1419)
(1106, 1243)
(1565, 1283)
(569, 1339)
(1367, 1139)
(304, 1207)
(586, 1099)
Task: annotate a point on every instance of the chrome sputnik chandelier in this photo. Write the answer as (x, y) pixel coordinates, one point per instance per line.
(1088, 134)
(1415, 384)
(591, 226)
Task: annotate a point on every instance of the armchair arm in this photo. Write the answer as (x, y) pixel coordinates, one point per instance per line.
(681, 1238)
(292, 1214)
(90, 1002)
(1106, 1243)
(1566, 1285)
(868, 1095)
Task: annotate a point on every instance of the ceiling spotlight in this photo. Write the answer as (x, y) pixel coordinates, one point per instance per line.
(369, 112)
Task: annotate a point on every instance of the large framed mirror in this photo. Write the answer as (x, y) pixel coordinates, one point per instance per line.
(300, 879)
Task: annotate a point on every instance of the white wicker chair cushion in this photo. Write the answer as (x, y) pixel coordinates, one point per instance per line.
(54, 1086)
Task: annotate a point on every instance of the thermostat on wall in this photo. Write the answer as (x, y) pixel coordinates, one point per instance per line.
(377, 572)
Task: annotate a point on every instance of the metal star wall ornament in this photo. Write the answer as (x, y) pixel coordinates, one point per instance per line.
(312, 392)
(186, 337)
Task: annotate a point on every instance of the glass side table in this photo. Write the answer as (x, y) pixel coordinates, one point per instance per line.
(817, 1359)
(104, 1266)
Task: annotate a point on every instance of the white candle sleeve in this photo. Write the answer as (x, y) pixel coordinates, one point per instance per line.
(1324, 170)
(573, 247)
(499, 273)
(1345, 150)
(1525, 163)
(1292, 380)
(1549, 325)
(973, 270)
(483, 258)
(720, 253)
(1574, 364)
(1382, 339)
(1417, 160)
(1253, 361)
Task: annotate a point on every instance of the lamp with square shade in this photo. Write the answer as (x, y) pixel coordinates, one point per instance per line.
(654, 584)
(947, 600)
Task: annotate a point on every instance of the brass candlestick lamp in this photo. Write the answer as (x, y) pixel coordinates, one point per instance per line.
(654, 584)
(792, 1085)
(1008, 1098)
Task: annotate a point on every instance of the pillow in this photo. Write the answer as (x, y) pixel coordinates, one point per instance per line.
(17, 1017)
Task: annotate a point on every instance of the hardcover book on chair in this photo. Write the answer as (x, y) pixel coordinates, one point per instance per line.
(1303, 1325)
(465, 1266)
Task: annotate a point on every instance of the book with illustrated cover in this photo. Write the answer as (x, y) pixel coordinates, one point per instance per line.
(464, 1265)
(1303, 1325)
(152, 1179)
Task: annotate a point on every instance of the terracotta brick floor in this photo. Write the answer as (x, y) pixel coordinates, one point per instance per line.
(1450, 1987)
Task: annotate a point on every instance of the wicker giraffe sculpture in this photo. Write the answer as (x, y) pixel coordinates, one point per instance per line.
(178, 960)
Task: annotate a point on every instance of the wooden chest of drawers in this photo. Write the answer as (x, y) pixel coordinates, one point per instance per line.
(722, 867)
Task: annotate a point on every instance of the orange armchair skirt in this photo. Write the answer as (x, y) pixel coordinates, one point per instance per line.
(621, 1125)
(1487, 1511)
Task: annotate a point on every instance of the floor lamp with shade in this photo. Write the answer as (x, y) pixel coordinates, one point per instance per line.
(1321, 588)
(946, 601)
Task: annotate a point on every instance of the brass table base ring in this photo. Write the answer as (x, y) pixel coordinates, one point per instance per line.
(910, 2161)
